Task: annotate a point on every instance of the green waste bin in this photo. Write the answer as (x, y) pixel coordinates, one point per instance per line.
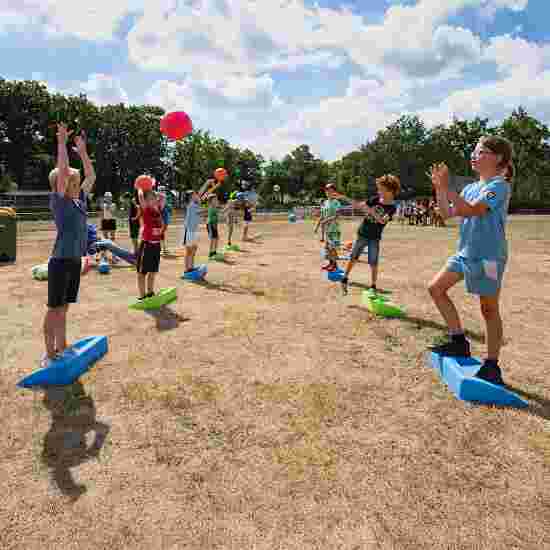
(8, 235)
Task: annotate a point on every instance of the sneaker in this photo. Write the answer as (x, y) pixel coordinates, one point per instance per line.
(332, 268)
(491, 374)
(453, 349)
(149, 295)
(325, 267)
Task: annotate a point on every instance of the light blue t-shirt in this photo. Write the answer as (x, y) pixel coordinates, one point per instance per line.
(484, 237)
(192, 216)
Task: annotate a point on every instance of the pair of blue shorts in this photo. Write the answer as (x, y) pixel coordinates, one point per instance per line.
(373, 249)
(481, 277)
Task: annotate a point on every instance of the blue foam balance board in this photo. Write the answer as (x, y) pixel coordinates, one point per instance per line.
(74, 362)
(104, 267)
(197, 274)
(459, 374)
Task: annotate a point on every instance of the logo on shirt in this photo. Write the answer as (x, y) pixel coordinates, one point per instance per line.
(491, 195)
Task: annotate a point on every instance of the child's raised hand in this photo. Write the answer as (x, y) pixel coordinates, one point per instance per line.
(62, 133)
(80, 142)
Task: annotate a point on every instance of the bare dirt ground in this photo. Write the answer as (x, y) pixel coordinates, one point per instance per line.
(264, 410)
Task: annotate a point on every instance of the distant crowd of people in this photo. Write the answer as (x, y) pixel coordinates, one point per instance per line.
(420, 212)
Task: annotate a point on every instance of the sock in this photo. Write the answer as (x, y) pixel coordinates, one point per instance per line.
(458, 338)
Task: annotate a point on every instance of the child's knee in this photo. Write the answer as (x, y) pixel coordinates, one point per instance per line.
(435, 289)
(489, 309)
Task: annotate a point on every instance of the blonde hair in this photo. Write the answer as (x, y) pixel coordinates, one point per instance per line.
(73, 180)
(390, 182)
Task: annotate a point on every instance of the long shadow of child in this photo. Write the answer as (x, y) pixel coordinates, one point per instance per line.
(73, 416)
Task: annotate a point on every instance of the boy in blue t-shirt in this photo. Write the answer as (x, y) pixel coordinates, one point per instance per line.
(482, 250)
(68, 204)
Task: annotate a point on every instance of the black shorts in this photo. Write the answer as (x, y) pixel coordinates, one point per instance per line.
(63, 281)
(148, 259)
(247, 216)
(212, 230)
(134, 230)
(108, 225)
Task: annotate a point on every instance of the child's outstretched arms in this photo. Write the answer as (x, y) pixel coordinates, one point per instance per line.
(89, 172)
(62, 158)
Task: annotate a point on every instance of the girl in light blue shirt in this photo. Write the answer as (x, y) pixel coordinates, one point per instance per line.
(482, 253)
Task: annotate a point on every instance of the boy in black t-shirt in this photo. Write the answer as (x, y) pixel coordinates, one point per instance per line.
(380, 211)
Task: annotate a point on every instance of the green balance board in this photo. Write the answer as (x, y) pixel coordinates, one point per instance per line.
(380, 306)
(233, 248)
(164, 297)
(218, 257)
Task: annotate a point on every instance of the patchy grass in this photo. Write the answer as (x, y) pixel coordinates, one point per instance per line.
(280, 414)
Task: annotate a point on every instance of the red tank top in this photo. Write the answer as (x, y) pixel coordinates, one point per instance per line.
(152, 225)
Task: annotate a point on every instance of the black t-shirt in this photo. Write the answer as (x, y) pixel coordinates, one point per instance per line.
(370, 228)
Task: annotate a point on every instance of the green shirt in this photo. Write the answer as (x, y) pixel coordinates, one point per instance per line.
(213, 215)
(328, 210)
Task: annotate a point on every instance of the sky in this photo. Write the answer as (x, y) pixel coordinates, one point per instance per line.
(274, 74)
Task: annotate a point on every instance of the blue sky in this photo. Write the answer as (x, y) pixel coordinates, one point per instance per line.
(273, 74)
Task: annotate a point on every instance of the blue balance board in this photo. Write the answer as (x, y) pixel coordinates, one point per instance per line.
(74, 362)
(459, 374)
(197, 274)
(104, 267)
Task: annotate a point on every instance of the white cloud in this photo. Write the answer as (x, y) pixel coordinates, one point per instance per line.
(517, 55)
(229, 94)
(96, 21)
(104, 89)
(171, 96)
(495, 100)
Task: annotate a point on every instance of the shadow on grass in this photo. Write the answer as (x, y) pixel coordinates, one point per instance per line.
(538, 406)
(420, 323)
(366, 287)
(230, 289)
(224, 261)
(426, 323)
(65, 447)
(166, 318)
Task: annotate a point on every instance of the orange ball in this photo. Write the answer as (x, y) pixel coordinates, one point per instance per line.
(220, 174)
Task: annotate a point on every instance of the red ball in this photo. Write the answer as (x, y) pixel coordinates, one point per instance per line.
(176, 125)
(145, 183)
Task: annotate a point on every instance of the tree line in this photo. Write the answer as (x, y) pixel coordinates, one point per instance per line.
(125, 141)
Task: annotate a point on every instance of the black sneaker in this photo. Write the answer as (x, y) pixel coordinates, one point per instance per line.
(491, 374)
(453, 348)
(344, 283)
(149, 295)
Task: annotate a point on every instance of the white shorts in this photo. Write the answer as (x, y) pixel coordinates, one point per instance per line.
(190, 238)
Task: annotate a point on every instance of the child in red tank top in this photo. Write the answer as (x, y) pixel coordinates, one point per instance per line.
(148, 258)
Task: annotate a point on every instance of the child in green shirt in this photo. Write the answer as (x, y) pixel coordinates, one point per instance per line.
(329, 222)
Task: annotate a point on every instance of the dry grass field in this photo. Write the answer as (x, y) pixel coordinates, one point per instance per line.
(264, 410)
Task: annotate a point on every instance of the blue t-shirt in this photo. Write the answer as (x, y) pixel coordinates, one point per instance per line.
(192, 216)
(72, 230)
(484, 237)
